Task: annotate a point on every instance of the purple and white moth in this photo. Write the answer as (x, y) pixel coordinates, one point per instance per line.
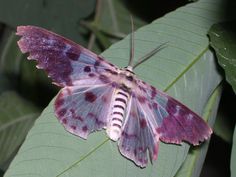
(98, 95)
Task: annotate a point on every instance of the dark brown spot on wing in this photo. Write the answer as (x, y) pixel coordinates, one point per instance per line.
(85, 128)
(73, 53)
(90, 97)
(143, 123)
(61, 112)
(87, 69)
(64, 121)
(141, 99)
(91, 74)
(97, 63)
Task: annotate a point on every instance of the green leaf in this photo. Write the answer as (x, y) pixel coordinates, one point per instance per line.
(233, 156)
(10, 56)
(61, 16)
(112, 19)
(223, 40)
(223, 127)
(110, 23)
(5, 83)
(185, 69)
(16, 118)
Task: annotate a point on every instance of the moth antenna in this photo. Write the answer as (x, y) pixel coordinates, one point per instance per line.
(149, 54)
(131, 59)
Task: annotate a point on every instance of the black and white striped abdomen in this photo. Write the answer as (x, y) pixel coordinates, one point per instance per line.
(117, 114)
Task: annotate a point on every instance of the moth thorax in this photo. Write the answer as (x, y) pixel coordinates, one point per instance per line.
(114, 128)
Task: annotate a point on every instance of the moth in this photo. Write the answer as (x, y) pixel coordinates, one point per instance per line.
(98, 95)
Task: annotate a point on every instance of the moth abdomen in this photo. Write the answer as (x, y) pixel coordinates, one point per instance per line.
(118, 111)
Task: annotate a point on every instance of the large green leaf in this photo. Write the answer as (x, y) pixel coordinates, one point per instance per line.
(185, 69)
(16, 118)
(223, 40)
(61, 16)
(112, 18)
(110, 23)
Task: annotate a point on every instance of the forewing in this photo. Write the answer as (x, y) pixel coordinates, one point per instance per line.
(138, 135)
(175, 122)
(63, 60)
(84, 109)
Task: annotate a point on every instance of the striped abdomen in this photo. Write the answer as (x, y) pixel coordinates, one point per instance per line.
(117, 114)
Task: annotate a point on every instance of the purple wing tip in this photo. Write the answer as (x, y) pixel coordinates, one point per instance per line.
(193, 130)
(21, 31)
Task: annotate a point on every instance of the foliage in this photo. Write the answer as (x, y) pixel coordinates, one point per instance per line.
(223, 40)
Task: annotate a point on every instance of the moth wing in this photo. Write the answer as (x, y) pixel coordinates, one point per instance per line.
(182, 124)
(63, 60)
(84, 109)
(175, 121)
(138, 135)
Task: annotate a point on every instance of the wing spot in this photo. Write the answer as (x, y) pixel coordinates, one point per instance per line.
(153, 93)
(91, 75)
(87, 69)
(59, 101)
(143, 123)
(74, 116)
(90, 97)
(154, 105)
(62, 112)
(141, 99)
(104, 99)
(97, 63)
(85, 128)
(64, 121)
(73, 127)
(72, 54)
(91, 115)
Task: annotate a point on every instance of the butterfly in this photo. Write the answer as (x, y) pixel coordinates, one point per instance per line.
(98, 95)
